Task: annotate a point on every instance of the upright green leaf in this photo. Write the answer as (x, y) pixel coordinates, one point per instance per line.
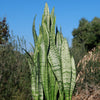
(43, 67)
(54, 60)
(73, 77)
(52, 83)
(58, 42)
(45, 34)
(34, 31)
(46, 16)
(40, 88)
(53, 21)
(66, 68)
(32, 78)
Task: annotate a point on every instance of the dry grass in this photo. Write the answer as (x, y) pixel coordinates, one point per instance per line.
(91, 93)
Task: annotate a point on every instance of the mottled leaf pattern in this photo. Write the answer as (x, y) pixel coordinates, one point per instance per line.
(73, 77)
(34, 31)
(52, 68)
(54, 59)
(66, 67)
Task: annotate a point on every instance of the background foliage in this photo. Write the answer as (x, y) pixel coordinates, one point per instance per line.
(14, 71)
(86, 51)
(85, 37)
(4, 31)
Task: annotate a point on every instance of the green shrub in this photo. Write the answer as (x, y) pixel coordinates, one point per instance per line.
(14, 74)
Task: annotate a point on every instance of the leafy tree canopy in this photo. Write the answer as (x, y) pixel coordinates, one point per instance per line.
(4, 32)
(87, 34)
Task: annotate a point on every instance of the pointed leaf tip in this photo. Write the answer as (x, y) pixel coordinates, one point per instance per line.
(46, 5)
(34, 31)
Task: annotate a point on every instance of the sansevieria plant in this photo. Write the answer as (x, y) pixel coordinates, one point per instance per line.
(53, 71)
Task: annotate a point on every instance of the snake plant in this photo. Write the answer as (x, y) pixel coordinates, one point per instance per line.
(52, 67)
